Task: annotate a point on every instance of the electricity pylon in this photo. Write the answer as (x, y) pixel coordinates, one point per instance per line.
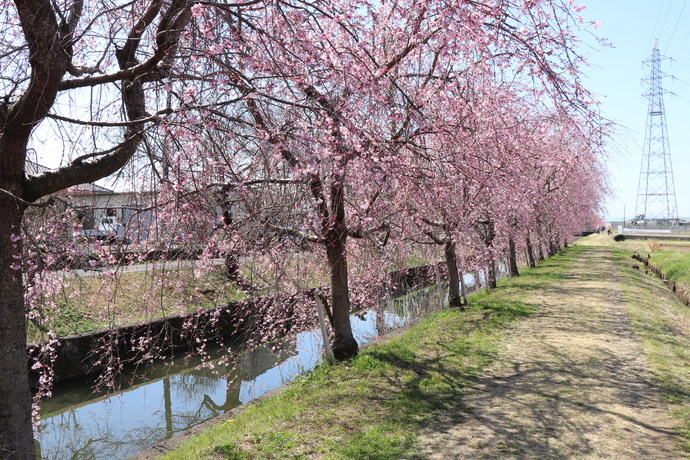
(656, 194)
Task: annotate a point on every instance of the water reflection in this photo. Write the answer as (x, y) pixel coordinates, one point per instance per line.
(79, 425)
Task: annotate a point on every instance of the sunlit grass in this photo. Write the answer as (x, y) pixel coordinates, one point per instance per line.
(672, 257)
(373, 406)
(663, 324)
(370, 406)
(673, 264)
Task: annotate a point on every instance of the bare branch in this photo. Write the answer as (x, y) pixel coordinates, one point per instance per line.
(87, 169)
(42, 204)
(434, 223)
(435, 238)
(360, 233)
(292, 232)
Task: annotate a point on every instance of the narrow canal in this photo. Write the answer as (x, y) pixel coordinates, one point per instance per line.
(79, 424)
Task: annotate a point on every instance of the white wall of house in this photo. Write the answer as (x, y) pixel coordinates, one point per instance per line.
(116, 214)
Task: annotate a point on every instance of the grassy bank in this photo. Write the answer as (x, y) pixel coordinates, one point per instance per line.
(674, 265)
(663, 325)
(373, 406)
(672, 257)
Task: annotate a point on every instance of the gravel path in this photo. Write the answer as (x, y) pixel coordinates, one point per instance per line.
(570, 382)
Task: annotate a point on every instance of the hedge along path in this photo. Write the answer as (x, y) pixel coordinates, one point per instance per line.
(570, 381)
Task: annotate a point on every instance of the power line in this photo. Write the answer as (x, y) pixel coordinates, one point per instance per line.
(683, 99)
(681, 44)
(679, 112)
(682, 81)
(683, 64)
(656, 24)
(676, 26)
(665, 18)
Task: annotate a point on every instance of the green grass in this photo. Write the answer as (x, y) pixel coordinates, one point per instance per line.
(672, 257)
(674, 264)
(373, 406)
(71, 320)
(663, 325)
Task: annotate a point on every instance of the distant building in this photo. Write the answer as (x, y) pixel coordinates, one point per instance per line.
(125, 216)
(108, 215)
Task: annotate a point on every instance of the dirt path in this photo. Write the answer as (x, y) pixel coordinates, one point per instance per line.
(570, 382)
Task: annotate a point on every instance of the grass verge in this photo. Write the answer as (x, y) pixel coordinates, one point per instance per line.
(672, 257)
(663, 325)
(674, 265)
(374, 406)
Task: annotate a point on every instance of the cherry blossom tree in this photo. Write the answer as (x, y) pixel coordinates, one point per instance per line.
(339, 92)
(287, 124)
(54, 53)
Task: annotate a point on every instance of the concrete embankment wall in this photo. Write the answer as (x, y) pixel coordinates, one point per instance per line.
(85, 354)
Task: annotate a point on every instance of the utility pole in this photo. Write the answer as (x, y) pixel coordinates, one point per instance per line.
(656, 194)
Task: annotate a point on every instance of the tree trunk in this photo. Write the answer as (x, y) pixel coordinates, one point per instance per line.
(492, 273)
(463, 288)
(232, 266)
(530, 253)
(453, 280)
(344, 344)
(16, 431)
(553, 248)
(540, 253)
(512, 258)
(489, 237)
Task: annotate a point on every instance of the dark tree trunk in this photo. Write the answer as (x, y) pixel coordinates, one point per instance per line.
(232, 266)
(512, 258)
(553, 248)
(344, 344)
(530, 253)
(16, 432)
(488, 234)
(454, 298)
(540, 253)
(489, 241)
(463, 288)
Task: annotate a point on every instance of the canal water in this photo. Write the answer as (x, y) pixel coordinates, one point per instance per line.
(76, 423)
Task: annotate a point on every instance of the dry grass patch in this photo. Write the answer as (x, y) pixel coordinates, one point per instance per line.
(84, 303)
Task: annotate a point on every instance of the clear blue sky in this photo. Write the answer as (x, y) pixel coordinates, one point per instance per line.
(615, 75)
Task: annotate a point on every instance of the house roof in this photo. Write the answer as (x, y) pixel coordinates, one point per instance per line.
(33, 168)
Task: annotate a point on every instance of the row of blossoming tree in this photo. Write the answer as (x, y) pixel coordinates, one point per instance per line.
(305, 142)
